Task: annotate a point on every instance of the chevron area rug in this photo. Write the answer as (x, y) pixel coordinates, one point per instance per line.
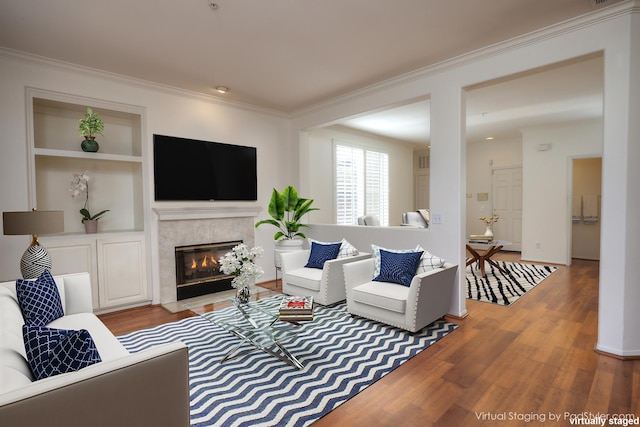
(498, 288)
(341, 357)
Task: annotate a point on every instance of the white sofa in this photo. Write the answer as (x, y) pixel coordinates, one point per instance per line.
(326, 286)
(146, 388)
(413, 307)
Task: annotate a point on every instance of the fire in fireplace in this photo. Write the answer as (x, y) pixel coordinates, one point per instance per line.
(198, 271)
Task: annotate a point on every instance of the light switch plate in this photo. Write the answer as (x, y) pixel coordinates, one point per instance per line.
(436, 218)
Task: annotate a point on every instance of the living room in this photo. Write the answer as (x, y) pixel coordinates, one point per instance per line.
(281, 140)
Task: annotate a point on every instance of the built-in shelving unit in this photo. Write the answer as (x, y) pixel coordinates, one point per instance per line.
(116, 256)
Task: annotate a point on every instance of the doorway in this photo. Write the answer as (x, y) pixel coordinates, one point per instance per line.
(585, 208)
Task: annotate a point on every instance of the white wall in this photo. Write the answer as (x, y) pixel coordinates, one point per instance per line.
(321, 172)
(547, 186)
(482, 159)
(168, 111)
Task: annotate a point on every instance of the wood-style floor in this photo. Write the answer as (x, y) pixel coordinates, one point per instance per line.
(521, 363)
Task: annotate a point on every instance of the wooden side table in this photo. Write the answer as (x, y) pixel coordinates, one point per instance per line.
(481, 252)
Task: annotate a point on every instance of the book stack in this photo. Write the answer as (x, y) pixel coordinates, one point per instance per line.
(296, 309)
(480, 238)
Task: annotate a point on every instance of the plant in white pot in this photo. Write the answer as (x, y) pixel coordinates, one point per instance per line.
(286, 210)
(79, 186)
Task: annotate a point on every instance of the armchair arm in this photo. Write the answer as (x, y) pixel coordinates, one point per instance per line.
(293, 260)
(333, 275)
(357, 273)
(430, 296)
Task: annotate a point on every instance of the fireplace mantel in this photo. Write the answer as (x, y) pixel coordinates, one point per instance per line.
(189, 213)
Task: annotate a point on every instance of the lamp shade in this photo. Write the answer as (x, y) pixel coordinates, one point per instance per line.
(36, 259)
(33, 222)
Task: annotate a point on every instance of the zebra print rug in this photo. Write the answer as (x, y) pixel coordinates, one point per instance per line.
(341, 357)
(501, 289)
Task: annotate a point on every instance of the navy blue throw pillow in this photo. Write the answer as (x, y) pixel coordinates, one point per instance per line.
(321, 253)
(39, 300)
(398, 267)
(57, 351)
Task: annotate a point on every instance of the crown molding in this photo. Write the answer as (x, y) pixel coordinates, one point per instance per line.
(120, 78)
(586, 20)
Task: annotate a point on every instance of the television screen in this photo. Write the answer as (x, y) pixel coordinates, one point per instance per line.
(192, 170)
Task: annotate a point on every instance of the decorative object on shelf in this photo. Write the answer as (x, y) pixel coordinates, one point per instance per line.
(241, 263)
(80, 185)
(489, 221)
(286, 210)
(88, 126)
(36, 259)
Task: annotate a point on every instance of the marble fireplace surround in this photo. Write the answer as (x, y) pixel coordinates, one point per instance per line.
(192, 226)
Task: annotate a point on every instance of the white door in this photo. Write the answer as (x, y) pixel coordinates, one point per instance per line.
(507, 203)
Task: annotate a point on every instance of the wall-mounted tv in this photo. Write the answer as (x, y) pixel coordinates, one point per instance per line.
(192, 170)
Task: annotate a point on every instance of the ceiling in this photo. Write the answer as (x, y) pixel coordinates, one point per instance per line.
(284, 55)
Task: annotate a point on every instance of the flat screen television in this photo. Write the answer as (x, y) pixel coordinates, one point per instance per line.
(192, 170)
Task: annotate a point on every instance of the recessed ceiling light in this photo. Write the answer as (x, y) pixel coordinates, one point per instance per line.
(489, 138)
(222, 89)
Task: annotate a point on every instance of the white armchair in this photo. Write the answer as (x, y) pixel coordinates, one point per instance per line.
(326, 286)
(406, 307)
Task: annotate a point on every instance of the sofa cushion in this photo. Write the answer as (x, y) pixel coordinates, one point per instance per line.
(39, 300)
(428, 261)
(398, 267)
(320, 253)
(308, 278)
(57, 351)
(107, 344)
(388, 296)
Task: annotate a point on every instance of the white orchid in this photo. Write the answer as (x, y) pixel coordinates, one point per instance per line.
(240, 262)
(80, 185)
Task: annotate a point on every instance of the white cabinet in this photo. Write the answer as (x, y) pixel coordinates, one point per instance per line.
(121, 279)
(116, 264)
(116, 256)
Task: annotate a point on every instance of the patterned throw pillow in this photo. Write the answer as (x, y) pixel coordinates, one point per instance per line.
(57, 351)
(39, 300)
(428, 261)
(376, 256)
(398, 267)
(347, 249)
(321, 253)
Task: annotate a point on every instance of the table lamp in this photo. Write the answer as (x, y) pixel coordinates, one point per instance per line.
(36, 259)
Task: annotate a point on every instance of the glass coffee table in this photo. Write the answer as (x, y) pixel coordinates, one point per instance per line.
(256, 325)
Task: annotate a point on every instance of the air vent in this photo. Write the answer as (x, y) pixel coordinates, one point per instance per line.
(597, 3)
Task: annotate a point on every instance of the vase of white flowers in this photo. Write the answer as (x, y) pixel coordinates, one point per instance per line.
(488, 222)
(241, 263)
(79, 186)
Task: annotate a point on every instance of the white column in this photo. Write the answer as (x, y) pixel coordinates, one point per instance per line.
(448, 181)
(618, 313)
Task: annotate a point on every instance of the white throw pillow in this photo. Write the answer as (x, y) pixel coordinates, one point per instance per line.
(428, 261)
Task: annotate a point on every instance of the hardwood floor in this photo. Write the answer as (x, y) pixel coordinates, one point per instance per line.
(521, 362)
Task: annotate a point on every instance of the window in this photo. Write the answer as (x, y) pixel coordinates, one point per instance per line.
(362, 184)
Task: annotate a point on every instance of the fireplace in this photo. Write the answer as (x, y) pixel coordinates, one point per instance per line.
(198, 270)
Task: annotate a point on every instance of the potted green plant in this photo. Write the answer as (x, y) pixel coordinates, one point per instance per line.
(286, 210)
(88, 126)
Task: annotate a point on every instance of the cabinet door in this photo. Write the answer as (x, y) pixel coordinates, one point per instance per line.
(122, 271)
(75, 257)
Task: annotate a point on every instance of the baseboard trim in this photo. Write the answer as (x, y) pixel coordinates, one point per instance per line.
(617, 356)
